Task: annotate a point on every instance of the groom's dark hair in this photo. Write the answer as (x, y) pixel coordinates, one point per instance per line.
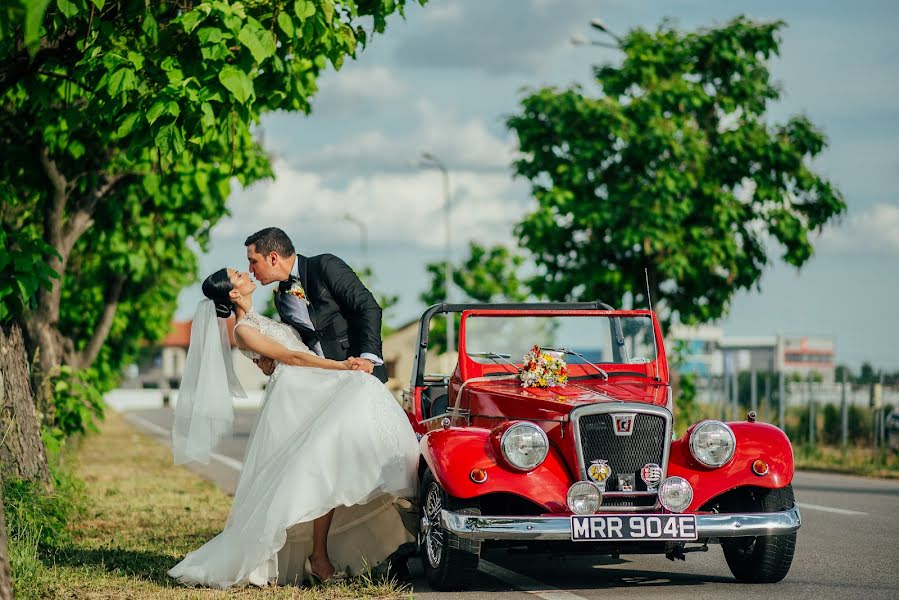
(271, 239)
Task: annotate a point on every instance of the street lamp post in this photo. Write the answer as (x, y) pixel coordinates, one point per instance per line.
(600, 26)
(363, 234)
(448, 270)
(597, 24)
(579, 40)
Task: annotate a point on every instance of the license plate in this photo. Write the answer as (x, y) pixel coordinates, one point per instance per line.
(633, 528)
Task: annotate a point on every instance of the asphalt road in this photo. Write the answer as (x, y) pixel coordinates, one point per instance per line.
(848, 547)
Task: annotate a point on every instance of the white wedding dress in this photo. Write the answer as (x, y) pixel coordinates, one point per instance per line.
(323, 439)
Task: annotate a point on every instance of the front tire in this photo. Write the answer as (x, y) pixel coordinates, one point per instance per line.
(763, 559)
(450, 562)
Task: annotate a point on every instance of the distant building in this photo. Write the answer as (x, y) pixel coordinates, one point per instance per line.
(161, 366)
(804, 355)
(702, 347)
(399, 351)
(712, 354)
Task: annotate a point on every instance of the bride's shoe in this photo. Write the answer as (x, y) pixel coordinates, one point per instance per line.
(314, 577)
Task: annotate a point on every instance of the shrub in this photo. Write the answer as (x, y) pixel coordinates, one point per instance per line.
(78, 405)
(833, 425)
(860, 424)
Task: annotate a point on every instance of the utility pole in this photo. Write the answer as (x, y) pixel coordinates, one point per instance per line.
(753, 391)
(781, 399)
(811, 412)
(448, 267)
(844, 411)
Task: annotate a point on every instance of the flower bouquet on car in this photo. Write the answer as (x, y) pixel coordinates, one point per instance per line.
(542, 369)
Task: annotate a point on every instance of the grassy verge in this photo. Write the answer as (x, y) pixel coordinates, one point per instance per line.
(852, 461)
(142, 515)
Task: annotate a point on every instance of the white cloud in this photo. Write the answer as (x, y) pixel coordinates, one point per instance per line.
(496, 37)
(442, 14)
(355, 88)
(466, 144)
(397, 208)
(376, 82)
(873, 231)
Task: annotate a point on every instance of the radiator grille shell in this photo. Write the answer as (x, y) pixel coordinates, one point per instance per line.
(649, 443)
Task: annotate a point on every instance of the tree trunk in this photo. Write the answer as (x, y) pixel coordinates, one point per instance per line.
(22, 454)
(5, 577)
(46, 346)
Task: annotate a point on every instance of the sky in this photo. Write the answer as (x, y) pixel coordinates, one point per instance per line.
(444, 79)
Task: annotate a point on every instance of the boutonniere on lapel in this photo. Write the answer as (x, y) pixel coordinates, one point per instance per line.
(297, 290)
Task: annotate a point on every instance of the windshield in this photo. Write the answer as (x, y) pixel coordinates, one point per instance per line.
(599, 339)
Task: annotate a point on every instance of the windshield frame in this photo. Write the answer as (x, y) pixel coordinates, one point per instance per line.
(581, 339)
(655, 369)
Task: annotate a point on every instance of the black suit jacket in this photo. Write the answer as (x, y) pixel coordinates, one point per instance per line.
(346, 316)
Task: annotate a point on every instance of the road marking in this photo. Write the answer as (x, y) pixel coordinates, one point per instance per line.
(164, 433)
(227, 461)
(526, 584)
(830, 509)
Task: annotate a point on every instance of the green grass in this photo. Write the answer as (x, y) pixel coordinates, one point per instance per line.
(141, 515)
(857, 459)
(853, 461)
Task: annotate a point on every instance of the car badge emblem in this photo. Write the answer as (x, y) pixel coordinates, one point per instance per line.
(651, 475)
(599, 471)
(623, 424)
(626, 482)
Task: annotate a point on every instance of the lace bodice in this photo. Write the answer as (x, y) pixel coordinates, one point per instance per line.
(282, 333)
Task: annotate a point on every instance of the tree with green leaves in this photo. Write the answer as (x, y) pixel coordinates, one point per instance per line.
(386, 301)
(487, 274)
(672, 166)
(130, 120)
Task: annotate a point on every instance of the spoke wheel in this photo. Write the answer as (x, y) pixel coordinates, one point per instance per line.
(433, 535)
(450, 562)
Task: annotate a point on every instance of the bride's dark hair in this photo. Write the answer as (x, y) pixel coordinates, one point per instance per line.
(216, 288)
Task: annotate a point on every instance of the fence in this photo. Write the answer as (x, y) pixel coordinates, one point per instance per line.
(148, 399)
(812, 412)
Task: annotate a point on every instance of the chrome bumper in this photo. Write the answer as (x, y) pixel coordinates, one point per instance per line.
(559, 528)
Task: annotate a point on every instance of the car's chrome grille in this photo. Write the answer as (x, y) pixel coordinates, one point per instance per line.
(611, 502)
(625, 454)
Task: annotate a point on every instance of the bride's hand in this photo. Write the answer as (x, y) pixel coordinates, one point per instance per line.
(266, 364)
(361, 364)
(356, 364)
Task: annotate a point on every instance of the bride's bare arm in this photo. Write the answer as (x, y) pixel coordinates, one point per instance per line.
(252, 339)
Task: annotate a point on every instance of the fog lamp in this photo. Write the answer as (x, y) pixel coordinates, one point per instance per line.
(584, 498)
(676, 494)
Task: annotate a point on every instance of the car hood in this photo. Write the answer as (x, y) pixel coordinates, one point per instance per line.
(505, 398)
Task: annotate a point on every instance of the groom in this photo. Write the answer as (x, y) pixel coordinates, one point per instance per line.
(322, 298)
(335, 314)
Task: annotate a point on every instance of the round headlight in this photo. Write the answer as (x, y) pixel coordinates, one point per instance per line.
(524, 446)
(584, 498)
(712, 443)
(675, 494)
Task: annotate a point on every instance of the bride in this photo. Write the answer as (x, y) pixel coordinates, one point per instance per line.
(327, 437)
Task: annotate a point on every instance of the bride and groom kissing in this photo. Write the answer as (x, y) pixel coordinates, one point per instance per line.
(331, 450)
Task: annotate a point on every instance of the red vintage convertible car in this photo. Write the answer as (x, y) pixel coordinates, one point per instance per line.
(591, 463)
